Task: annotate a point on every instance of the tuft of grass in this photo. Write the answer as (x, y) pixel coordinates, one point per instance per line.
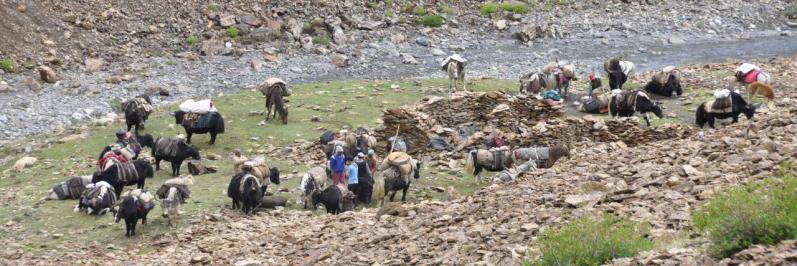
(488, 8)
(432, 21)
(446, 9)
(419, 10)
(321, 40)
(790, 11)
(192, 41)
(760, 213)
(520, 8)
(8, 65)
(533, 3)
(389, 13)
(592, 241)
(277, 35)
(232, 32)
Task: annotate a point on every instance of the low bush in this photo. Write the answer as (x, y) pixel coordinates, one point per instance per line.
(488, 8)
(321, 40)
(592, 241)
(519, 8)
(432, 21)
(8, 65)
(760, 213)
(192, 41)
(232, 32)
(419, 10)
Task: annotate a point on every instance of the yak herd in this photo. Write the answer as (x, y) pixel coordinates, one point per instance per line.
(118, 164)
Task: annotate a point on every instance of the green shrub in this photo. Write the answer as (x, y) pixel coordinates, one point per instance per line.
(419, 10)
(306, 26)
(446, 9)
(321, 40)
(488, 8)
(8, 65)
(592, 241)
(277, 35)
(507, 6)
(232, 32)
(759, 213)
(519, 8)
(432, 21)
(192, 41)
(791, 11)
(389, 13)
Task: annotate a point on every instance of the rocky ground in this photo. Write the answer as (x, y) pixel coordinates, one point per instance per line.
(132, 48)
(658, 181)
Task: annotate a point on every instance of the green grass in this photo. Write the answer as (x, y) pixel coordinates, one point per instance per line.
(758, 213)
(419, 11)
(519, 8)
(389, 13)
(317, 22)
(192, 41)
(592, 241)
(432, 21)
(338, 103)
(8, 65)
(232, 32)
(488, 8)
(322, 40)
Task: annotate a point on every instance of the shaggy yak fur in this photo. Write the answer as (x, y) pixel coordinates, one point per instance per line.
(143, 140)
(393, 179)
(334, 199)
(618, 71)
(118, 179)
(135, 116)
(132, 209)
(175, 151)
(275, 100)
(215, 126)
(482, 159)
(245, 191)
(456, 74)
(98, 198)
(739, 106)
(314, 179)
(554, 153)
(667, 88)
(627, 103)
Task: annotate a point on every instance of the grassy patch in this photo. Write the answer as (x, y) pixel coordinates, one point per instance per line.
(432, 21)
(519, 8)
(191, 40)
(592, 241)
(488, 8)
(232, 32)
(8, 65)
(322, 39)
(419, 10)
(759, 213)
(389, 13)
(337, 103)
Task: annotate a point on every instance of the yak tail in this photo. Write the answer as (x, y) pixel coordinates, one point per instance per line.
(378, 192)
(700, 115)
(469, 165)
(219, 124)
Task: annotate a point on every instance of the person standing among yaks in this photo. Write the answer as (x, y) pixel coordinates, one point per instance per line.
(337, 164)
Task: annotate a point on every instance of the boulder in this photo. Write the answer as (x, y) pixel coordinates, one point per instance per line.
(93, 64)
(339, 60)
(47, 74)
(226, 20)
(251, 20)
(211, 47)
(24, 162)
